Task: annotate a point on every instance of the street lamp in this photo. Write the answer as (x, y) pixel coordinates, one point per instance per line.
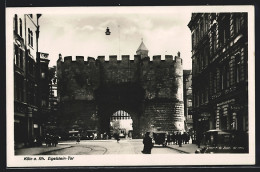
(107, 31)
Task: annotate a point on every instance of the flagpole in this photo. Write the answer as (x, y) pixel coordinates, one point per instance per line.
(119, 40)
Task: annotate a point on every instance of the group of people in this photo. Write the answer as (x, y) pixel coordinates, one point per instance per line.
(51, 140)
(178, 138)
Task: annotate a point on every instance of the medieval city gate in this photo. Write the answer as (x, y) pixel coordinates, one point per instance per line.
(150, 91)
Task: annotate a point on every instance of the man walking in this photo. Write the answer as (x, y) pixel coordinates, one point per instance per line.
(148, 144)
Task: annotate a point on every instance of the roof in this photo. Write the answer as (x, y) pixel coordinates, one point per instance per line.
(142, 47)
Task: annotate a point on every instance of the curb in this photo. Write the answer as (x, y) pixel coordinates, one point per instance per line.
(178, 150)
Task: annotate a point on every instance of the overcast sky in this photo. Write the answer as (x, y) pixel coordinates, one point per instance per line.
(164, 31)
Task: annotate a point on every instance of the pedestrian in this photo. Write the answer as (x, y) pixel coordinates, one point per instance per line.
(94, 136)
(184, 138)
(176, 138)
(168, 142)
(188, 138)
(116, 136)
(148, 144)
(198, 140)
(172, 138)
(48, 140)
(78, 139)
(54, 140)
(180, 139)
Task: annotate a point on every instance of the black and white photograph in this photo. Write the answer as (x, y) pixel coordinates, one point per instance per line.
(124, 86)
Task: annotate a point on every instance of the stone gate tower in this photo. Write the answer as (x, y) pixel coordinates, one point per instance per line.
(151, 91)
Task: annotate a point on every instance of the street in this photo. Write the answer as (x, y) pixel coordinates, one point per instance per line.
(97, 147)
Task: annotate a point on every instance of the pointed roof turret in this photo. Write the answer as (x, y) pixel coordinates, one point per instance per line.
(142, 50)
(142, 47)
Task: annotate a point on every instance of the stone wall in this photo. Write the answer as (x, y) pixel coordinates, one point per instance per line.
(157, 86)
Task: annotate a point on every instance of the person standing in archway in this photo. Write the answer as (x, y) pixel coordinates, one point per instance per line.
(78, 139)
(148, 144)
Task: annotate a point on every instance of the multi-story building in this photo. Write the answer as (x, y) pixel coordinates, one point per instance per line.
(26, 80)
(187, 99)
(53, 103)
(51, 117)
(220, 73)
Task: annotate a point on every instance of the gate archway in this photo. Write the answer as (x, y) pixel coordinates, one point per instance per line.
(126, 97)
(121, 123)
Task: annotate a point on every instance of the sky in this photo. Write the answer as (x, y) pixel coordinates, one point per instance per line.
(82, 33)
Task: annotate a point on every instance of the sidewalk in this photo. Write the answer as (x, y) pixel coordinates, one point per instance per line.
(186, 148)
(38, 150)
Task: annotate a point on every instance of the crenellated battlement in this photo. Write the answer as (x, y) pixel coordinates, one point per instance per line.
(124, 59)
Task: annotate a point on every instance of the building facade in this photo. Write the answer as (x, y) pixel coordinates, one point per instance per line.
(220, 73)
(187, 99)
(26, 78)
(89, 92)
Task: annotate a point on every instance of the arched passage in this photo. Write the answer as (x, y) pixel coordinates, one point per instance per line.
(121, 124)
(125, 97)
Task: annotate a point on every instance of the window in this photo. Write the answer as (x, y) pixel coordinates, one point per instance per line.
(31, 93)
(202, 98)
(198, 99)
(197, 35)
(206, 56)
(206, 22)
(221, 81)
(21, 58)
(44, 103)
(31, 66)
(224, 29)
(223, 120)
(30, 37)
(214, 42)
(15, 23)
(227, 76)
(201, 29)
(19, 88)
(43, 75)
(238, 68)
(206, 94)
(189, 103)
(237, 23)
(21, 27)
(215, 83)
(201, 61)
(16, 56)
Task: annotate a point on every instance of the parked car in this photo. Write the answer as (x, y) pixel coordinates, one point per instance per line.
(159, 138)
